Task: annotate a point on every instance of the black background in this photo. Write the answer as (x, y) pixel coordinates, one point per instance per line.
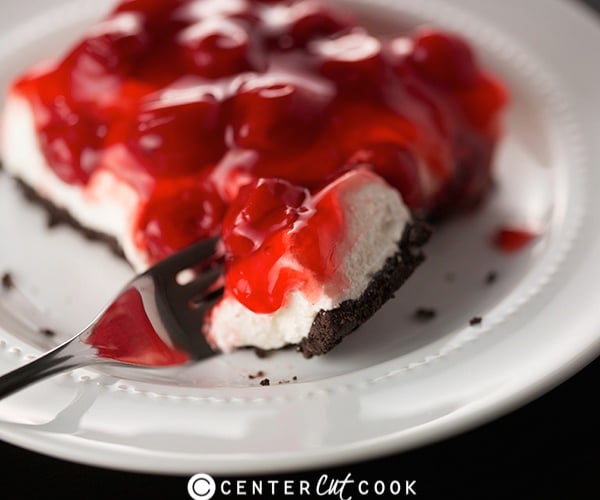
(545, 450)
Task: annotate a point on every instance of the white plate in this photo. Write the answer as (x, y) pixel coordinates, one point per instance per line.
(395, 383)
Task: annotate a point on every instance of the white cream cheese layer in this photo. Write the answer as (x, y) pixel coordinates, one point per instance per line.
(106, 204)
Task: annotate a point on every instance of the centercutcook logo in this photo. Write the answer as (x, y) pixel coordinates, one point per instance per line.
(203, 487)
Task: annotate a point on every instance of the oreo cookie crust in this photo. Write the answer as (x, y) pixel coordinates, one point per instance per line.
(330, 327)
(58, 216)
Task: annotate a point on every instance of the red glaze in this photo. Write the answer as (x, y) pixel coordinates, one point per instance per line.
(444, 59)
(190, 101)
(256, 234)
(124, 333)
(512, 239)
(291, 236)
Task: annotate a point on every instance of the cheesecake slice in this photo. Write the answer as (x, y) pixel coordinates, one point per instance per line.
(310, 146)
(307, 269)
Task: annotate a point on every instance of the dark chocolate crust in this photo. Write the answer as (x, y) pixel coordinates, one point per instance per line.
(330, 327)
(58, 216)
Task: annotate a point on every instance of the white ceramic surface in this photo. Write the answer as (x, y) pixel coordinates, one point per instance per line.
(394, 384)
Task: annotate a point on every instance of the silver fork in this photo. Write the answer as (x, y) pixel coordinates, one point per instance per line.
(165, 313)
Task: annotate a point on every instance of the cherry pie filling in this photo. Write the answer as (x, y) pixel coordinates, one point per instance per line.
(228, 116)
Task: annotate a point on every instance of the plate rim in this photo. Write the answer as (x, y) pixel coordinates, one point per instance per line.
(55, 445)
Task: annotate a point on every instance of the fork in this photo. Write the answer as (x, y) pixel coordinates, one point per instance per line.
(155, 320)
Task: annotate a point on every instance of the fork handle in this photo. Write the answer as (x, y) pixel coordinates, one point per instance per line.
(72, 354)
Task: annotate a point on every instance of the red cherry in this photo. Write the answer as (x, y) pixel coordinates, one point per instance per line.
(69, 140)
(153, 9)
(161, 22)
(397, 166)
(255, 231)
(483, 103)
(216, 47)
(72, 150)
(158, 16)
(261, 209)
(445, 59)
(311, 19)
(274, 111)
(98, 65)
(175, 132)
(354, 58)
(179, 214)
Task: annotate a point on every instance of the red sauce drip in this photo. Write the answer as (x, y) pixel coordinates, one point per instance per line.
(510, 239)
(124, 333)
(190, 101)
(273, 219)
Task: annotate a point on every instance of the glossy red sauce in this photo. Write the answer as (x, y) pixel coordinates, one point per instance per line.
(290, 236)
(191, 102)
(124, 333)
(512, 239)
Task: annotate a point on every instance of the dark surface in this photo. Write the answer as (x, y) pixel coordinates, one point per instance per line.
(545, 450)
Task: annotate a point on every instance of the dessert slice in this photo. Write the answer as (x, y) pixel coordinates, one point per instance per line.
(308, 269)
(169, 119)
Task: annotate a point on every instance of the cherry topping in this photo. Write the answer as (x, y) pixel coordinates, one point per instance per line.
(72, 149)
(69, 140)
(483, 102)
(255, 231)
(261, 209)
(99, 64)
(168, 128)
(396, 165)
(153, 9)
(445, 59)
(311, 19)
(179, 214)
(354, 58)
(216, 47)
(273, 111)
(187, 101)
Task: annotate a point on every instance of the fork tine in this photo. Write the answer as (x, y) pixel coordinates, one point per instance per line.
(183, 318)
(191, 256)
(160, 311)
(203, 282)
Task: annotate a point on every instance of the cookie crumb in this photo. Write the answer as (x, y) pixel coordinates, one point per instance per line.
(7, 281)
(258, 374)
(265, 381)
(491, 278)
(425, 314)
(47, 332)
(53, 220)
(294, 377)
(283, 382)
(477, 320)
